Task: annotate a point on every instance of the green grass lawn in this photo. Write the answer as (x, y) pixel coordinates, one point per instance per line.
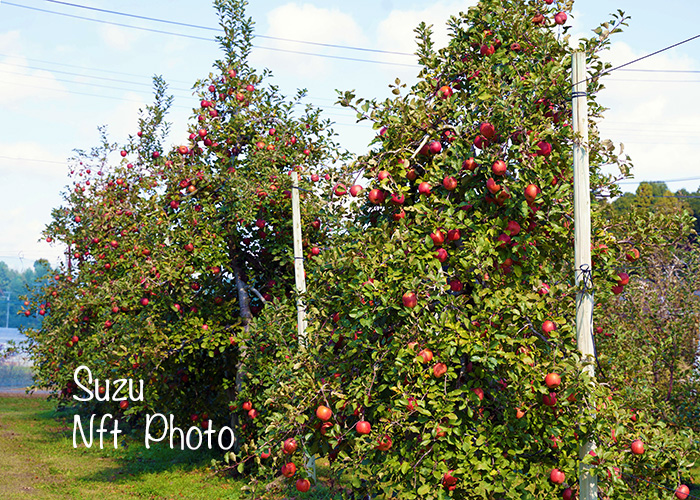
(38, 461)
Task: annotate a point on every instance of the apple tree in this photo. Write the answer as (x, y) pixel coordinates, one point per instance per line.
(175, 249)
(648, 334)
(441, 359)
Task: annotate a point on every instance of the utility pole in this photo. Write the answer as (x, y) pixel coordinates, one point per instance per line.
(582, 243)
(298, 261)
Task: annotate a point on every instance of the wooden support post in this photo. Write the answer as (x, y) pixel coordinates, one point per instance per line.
(582, 242)
(298, 261)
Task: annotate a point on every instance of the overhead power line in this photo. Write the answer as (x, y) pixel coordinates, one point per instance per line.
(63, 80)
(209, 28)
(617, 68)
(662, 70)
(208, 39)
(31, 159)
(44, 61)
(662, 181)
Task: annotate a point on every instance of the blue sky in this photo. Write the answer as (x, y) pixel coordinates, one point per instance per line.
(51, 101)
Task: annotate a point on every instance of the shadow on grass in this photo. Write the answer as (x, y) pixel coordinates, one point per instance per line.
(131, 454)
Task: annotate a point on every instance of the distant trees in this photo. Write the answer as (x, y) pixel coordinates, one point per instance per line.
(17, 284)
(657, 196)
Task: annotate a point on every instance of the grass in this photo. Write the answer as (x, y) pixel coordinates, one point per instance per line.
(39, 462)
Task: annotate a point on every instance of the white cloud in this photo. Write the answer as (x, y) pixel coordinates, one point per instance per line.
(309, 23)
(31, 190)
(655, 115)
(118, 38)
(17, 81)
(396, 31)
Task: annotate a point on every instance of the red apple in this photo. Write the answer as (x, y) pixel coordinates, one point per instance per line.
(543, 148)
(247, 406)
(549, 399)
(513, 228)
(632, 255)
(492, 186)
(409, 299)
(189, 247)
(557, 476)
(434, 147)
(303, 485)
(397, 199)
(479, 393)
(450, 183)
(383, 174)
(445, 92)
(289, 469)
(637, 447)
(552, 380)
(376, 196)
(426, 355)
(123, 404)
(453, 235)
(439, 370)
(499, 167)
(560, 17)
(449, 481)
(438, 238)
(487, 50)
(363, 427)
(441, 255)
(531, 192)
(548, 326)
(682, 492)
(289, 446)
(487, 130)
(324, 413)
(623, 279)
(470, 164)
(355, 189)
(617, 290)
(384, 443)
(339, 190)
(424, 188)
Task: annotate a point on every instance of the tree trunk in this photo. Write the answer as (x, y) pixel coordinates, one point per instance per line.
(246, 315)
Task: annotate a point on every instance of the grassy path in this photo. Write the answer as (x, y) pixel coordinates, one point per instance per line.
(38, 461)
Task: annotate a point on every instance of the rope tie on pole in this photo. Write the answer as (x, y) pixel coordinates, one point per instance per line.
(586, 278)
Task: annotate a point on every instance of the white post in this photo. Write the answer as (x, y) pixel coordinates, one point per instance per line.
(298, 260)
(582, 242)
(301, 289)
